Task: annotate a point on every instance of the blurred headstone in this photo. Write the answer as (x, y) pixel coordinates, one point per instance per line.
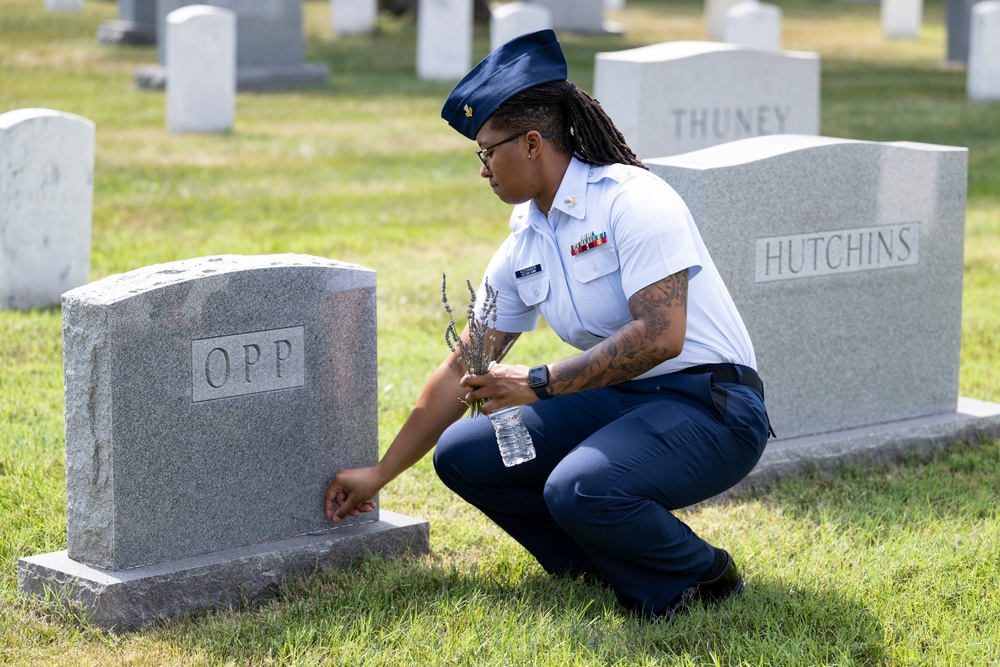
(444, 39)
(677, 97)
(63, 5)
(715, 17)
(353, 17)
(136, 24)
(845, 259)
(46, 206)
(901, 19)
(754, 24)
(270, 45)
(958, 19)
(583, 16)
(201, 68)
(515, 19)
(208, 403)
(984, 52)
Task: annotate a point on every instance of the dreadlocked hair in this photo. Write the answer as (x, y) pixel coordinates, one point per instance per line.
(575, 122)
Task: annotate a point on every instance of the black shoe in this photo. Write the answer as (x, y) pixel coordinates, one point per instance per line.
(727, 584)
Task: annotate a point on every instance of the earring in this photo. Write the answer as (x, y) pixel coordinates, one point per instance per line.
(529, 156)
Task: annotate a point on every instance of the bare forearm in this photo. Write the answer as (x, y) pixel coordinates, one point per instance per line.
(654, 335)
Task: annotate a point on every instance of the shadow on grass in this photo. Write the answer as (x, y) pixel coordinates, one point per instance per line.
(410, 611)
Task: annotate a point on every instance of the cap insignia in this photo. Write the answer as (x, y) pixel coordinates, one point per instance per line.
(468, 111)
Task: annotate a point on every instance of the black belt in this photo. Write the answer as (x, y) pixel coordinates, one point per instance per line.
(729, 373)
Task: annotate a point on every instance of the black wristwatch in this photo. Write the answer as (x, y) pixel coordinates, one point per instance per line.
(538, 379)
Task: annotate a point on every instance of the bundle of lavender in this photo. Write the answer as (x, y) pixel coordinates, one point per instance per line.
(477, 354)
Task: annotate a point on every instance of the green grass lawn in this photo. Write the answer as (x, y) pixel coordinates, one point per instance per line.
(896, 566)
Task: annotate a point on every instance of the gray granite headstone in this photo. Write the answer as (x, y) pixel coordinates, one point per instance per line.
(46, 205)
(958, 20)
(208, 404)
(270, 45)
(136, 24)
(845, 259)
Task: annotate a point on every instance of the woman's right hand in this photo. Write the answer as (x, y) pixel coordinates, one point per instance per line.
(351, 492)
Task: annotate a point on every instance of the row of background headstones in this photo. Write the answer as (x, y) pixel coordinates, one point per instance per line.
(137, 19)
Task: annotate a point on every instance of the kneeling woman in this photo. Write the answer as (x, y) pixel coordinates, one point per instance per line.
(660, 409)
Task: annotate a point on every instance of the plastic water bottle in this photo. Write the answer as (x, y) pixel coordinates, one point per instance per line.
(512, 436)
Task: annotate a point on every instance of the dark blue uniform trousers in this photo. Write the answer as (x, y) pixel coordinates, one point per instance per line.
(611, 466)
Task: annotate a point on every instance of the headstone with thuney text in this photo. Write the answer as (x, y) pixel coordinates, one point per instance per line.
(845, 259)
(677, 97)
(208, 404)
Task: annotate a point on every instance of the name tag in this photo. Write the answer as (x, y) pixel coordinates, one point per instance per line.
(527, 271)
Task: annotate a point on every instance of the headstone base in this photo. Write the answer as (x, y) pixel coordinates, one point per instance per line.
(124, 600)
(273, 77)
(876, 445)
(126, 32)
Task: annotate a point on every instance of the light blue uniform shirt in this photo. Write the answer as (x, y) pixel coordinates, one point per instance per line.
(635, 230)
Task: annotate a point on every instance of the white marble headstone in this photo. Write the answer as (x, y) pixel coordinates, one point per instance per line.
(515, 19)
(677, 97)
(46, 205)
(201, 69)
(444, 39)
(63, 5)
(353, 17)
(984, 52)
(715, 16)
(754, 24)
(901, 19)
(585, 16)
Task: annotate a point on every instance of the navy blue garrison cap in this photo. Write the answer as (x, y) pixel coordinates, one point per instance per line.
(519, 64)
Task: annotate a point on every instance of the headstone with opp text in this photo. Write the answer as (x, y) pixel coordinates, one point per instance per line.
(208, 404)
(46, 205)
(677, 97)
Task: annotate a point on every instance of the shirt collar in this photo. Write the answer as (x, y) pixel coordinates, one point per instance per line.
(570, 199)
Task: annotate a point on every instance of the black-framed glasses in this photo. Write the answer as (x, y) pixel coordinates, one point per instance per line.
(482, 153)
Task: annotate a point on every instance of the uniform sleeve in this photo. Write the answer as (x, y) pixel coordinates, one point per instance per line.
(653, 233)
(513, 315)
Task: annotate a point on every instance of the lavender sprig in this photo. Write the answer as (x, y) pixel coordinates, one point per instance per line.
(477, 355)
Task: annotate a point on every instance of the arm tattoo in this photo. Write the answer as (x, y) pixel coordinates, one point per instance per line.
(637, 347)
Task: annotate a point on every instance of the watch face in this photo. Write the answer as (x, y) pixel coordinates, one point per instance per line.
(538, 376)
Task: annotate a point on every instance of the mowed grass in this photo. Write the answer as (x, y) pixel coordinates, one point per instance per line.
(894, 566)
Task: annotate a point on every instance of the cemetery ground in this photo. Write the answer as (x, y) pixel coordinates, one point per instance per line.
(892, 566)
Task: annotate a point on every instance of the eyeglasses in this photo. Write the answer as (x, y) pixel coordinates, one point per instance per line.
(482, 153)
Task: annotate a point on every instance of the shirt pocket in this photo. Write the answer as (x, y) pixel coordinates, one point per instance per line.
(595, 263)
(533, 289)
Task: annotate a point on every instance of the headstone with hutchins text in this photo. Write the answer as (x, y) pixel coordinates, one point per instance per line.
(208, 404)
(46, 205)
(353, 17)
(677, 97)
(444, 39)
(983, 76)
(270, 45)
(515, 19)
(201, 65)
(845, 259)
